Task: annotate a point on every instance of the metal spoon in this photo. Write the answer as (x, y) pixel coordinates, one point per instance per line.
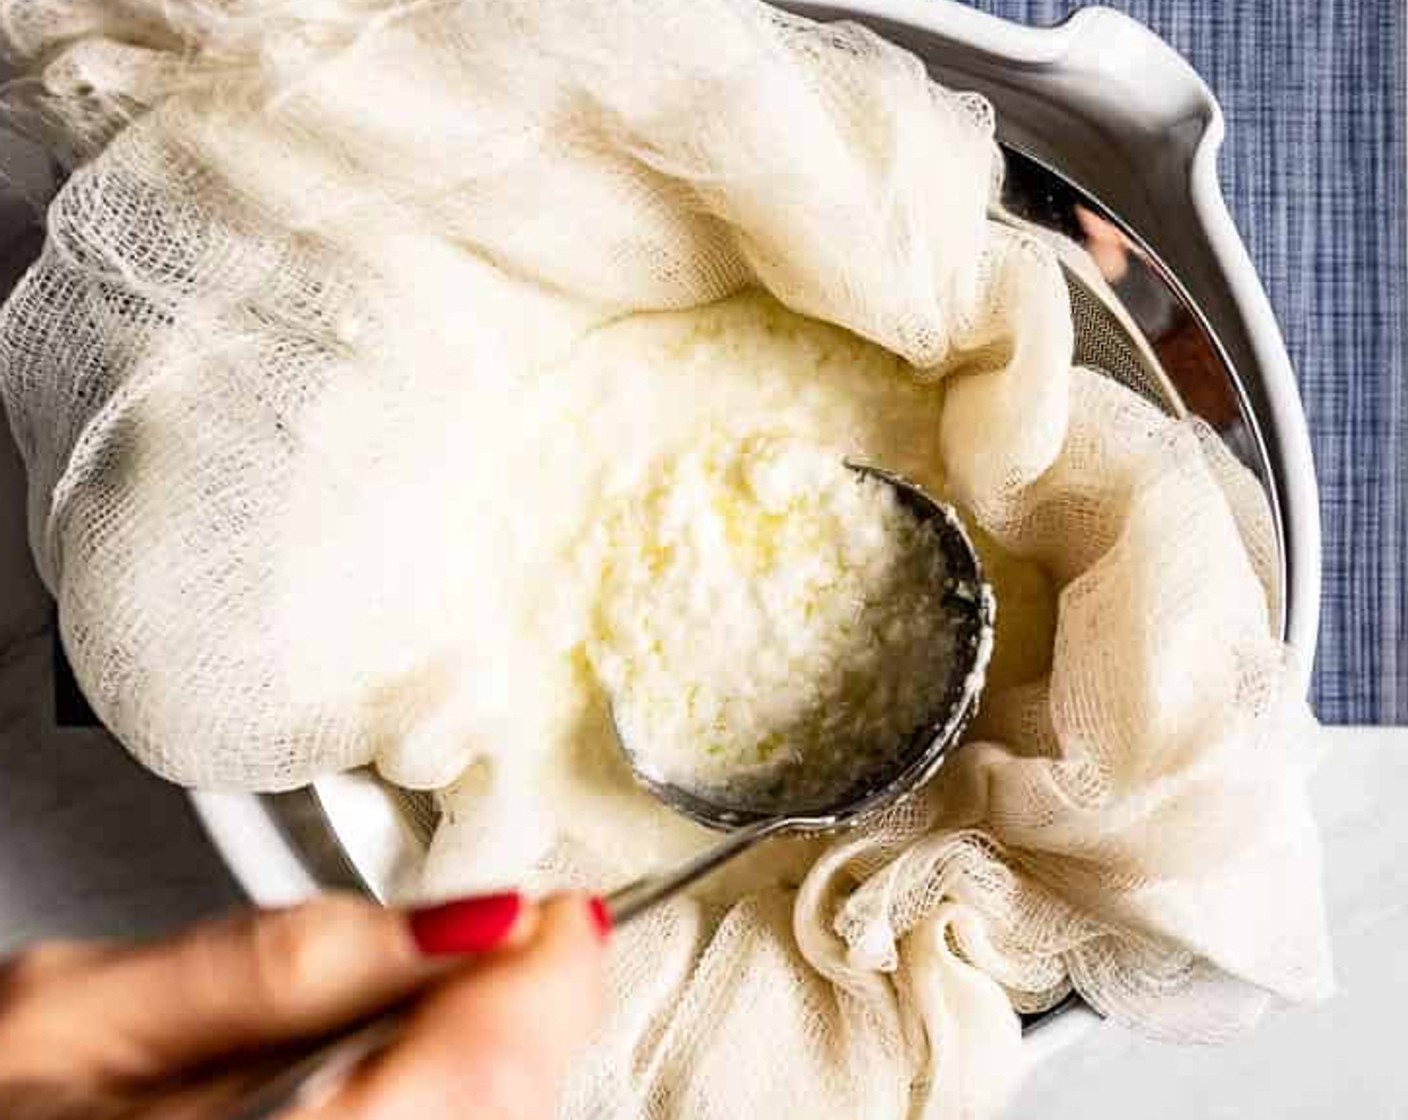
(898, 774)
(307, 1078)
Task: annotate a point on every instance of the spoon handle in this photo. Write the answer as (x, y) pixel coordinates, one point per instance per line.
(311, 1076)
(639, 896)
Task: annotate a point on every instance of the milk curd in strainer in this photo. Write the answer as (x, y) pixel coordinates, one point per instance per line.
(491, 679)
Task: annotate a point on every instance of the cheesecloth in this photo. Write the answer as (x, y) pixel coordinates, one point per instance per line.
(272, 199)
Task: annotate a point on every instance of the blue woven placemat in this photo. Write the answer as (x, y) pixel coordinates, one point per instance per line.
(1313, 168)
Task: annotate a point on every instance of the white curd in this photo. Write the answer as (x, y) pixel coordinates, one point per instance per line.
(772, 626)
(474, 649)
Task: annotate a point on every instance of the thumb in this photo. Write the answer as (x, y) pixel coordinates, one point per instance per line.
(255, 980)
(495, 1041)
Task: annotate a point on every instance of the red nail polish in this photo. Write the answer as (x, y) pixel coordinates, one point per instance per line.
(601, 916)
(467, 925)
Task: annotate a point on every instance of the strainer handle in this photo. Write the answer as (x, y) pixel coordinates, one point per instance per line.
(636, 897)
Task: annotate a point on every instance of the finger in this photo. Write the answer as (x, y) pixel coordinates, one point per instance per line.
(49, 1100)
(259, 979)
(495, 1041)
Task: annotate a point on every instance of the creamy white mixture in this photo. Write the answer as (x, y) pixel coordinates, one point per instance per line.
(771, 626)
(481, 611)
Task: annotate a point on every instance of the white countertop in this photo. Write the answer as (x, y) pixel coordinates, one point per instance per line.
(1345, 1058)
(92, 845)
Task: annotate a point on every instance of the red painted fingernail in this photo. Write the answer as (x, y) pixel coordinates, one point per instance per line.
(467, 925)
(601, 916)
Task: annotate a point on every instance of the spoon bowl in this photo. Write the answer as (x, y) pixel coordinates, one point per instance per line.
(749, 817)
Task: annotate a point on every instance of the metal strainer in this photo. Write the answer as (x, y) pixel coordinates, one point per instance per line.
(1132, 320)
(1098, 101)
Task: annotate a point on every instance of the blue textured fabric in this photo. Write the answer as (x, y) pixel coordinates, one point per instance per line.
(1313, 167)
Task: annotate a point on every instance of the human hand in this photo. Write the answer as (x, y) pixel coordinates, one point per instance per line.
(501, 993)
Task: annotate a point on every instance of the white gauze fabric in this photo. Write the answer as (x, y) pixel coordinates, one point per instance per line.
(274, 202)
